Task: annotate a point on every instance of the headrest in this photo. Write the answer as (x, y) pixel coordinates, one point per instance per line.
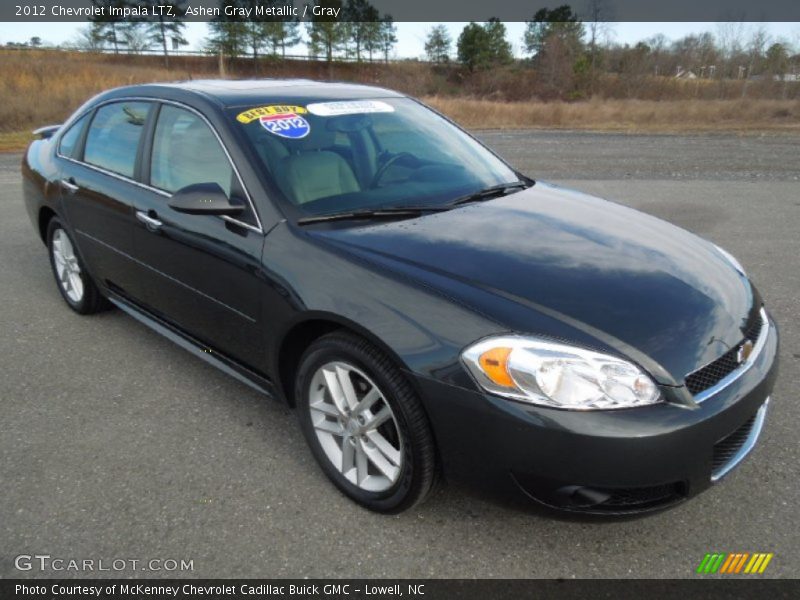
(318, 138)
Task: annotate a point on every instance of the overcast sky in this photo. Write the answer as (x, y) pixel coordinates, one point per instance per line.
(411, 36)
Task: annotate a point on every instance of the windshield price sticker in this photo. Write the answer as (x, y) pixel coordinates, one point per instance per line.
(349, 107)
(252, 114)
(283, 120)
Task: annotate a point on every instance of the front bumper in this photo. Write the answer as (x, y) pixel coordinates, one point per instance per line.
(603, 462)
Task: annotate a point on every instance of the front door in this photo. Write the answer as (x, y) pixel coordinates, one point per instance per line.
(203, 272)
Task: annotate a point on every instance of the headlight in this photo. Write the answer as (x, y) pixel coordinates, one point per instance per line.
(731, 259)
(558, 375)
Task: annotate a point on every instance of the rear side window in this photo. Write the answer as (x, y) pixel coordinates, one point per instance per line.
(186, 152)
(69, 141)
(113, 138)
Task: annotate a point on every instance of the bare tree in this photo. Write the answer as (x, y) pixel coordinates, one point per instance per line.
(730, 36)
(730, 41)
(135, 37)
(90, 38)
(598, 15)
(756, 46)
(658, 45)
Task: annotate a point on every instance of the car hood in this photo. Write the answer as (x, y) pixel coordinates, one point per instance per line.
(609, 270)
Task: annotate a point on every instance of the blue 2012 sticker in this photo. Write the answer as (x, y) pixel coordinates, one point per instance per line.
(286, 125)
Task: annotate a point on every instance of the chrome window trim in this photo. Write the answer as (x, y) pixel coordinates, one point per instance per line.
(112, 174)
(747, 446)
(744, 367)
(258, 229)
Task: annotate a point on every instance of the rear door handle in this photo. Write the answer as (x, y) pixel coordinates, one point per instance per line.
(151, 223)
(69, 185)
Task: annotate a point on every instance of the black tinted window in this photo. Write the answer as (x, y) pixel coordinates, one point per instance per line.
(185, 152)
(66, 147)
(114, 135)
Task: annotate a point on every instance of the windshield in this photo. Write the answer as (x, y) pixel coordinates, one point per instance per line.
(331, 157)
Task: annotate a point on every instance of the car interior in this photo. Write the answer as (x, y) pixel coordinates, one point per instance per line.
(341, 164)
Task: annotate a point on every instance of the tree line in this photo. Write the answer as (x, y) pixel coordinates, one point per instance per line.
(361, 32)
(136, 36)
(568, 56)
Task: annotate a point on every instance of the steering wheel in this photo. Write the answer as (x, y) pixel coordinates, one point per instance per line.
(385, 167)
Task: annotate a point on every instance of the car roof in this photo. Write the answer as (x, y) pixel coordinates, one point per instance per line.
(249, 92)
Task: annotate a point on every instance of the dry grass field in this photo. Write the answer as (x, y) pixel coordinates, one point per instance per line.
(627, 115)
(39, 88)
(43, 87)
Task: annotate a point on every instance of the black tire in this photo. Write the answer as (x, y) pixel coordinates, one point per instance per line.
(418, 471)
(91, 300)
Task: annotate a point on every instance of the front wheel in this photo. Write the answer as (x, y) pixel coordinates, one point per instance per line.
(364, 424)
(74, 283)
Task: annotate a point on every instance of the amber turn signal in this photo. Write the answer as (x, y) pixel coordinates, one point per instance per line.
(494, 363)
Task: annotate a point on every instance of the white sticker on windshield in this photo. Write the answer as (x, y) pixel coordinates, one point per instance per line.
(348, 107)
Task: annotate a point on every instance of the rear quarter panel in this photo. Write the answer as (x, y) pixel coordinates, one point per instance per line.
(40, 180)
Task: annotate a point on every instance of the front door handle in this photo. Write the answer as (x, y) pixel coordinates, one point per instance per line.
(151, 223)
(69, 185)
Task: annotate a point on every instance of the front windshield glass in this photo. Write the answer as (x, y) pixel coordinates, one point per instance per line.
(340, 156)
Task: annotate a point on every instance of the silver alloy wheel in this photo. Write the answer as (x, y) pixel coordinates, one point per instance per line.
(67, 269)
(356, 426)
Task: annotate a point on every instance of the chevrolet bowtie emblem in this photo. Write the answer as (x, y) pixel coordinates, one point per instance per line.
(745, 350)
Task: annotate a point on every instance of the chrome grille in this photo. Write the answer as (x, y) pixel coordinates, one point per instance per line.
(716, 371)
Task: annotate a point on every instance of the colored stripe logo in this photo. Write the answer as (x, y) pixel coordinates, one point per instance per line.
(734, 563)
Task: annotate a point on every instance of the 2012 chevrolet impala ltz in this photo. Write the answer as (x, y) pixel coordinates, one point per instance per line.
(427, 310)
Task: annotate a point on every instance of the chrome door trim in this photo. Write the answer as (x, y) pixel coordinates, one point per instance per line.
(69, 186)
(151, 223)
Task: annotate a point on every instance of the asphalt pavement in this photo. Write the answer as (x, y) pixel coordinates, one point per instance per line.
(116, 444)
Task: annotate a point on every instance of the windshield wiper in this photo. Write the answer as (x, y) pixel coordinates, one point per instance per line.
(391, 212)
(491, 192)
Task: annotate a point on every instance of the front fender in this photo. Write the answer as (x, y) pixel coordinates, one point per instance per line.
(421, 327)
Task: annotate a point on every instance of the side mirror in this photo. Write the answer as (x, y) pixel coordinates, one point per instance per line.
(204, 199)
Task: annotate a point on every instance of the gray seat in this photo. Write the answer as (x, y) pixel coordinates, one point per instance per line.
(310, 172)
(271, 151)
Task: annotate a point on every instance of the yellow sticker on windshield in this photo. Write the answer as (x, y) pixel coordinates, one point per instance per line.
(251, 115)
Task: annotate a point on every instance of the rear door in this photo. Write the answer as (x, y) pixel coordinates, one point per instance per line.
(202, 271)
(98, 179)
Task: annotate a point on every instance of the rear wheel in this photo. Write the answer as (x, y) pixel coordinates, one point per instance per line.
(74, 283)
(364, 424)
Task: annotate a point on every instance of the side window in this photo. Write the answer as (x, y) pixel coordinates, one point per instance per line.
(113, 138)
(185, 152)
(68, 142)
